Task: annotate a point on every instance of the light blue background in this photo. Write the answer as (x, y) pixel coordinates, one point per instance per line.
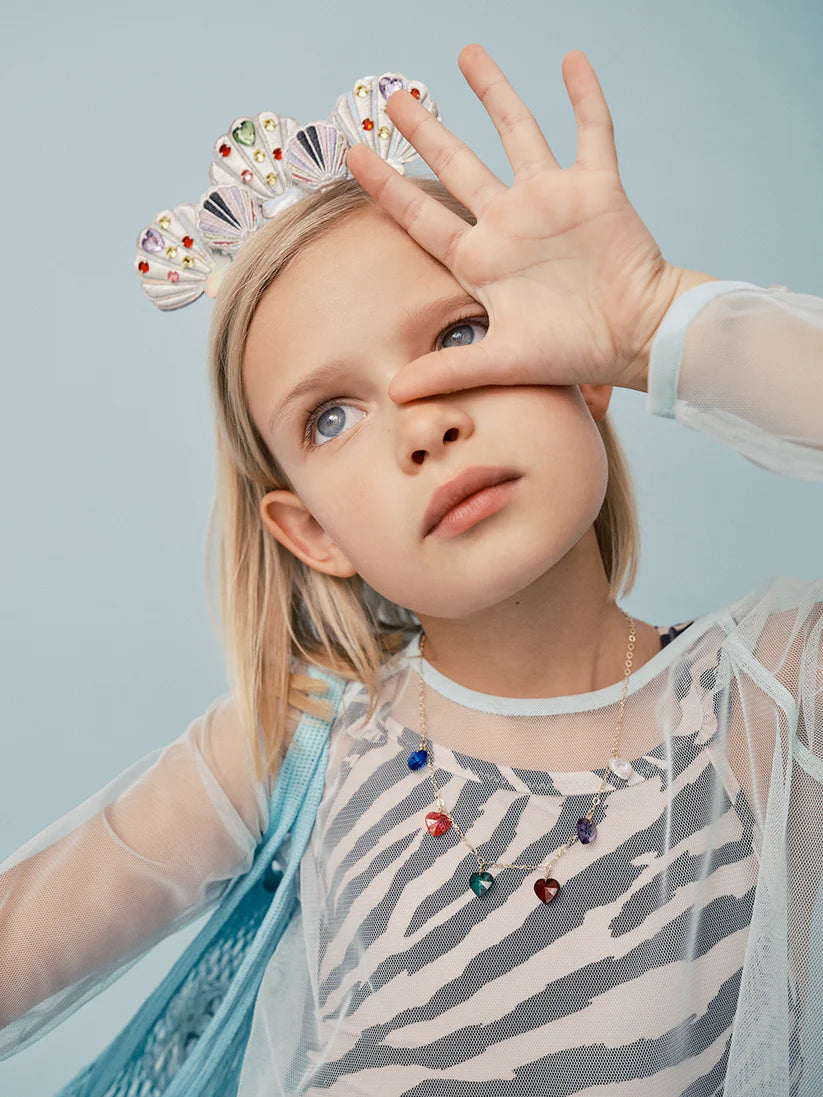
(106, 440)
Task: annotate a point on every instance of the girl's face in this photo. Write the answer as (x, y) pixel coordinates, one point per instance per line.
(325, 341)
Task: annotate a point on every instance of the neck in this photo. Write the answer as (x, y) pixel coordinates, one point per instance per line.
(558, 637)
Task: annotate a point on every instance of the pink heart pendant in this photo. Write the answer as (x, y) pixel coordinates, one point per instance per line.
(546, 890)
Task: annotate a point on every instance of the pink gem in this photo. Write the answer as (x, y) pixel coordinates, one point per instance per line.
(172, 276)
(246, 176)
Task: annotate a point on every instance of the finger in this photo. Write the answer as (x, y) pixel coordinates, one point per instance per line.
(595, 129)
(450, 370)
(426, 220)
(451, 159)
(524, 141)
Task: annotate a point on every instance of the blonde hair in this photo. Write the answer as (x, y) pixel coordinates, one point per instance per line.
(273, 607)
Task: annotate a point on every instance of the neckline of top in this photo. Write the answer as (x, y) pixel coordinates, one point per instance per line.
(577, 702)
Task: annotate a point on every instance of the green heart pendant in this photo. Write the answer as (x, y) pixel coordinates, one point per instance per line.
(481, 882)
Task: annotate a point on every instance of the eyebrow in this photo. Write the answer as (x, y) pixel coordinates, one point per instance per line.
(413, 319)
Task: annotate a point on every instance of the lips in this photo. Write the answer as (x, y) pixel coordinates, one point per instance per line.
(455, 491)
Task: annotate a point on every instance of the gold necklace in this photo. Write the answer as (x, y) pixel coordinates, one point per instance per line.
(438, 822)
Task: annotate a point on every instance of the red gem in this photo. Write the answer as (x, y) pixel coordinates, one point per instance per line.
(172, 276)
(278, 153)
(416, 92)
(437, 823)
(187, 241)
(224, 150)
(143, 267)
(546, 889)
(246, 176)
(368, 124)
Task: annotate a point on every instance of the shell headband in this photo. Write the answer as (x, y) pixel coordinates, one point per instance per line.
(262, 165)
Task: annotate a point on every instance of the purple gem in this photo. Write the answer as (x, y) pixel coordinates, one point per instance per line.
(152, 241)
(586, 831)
(388, 84)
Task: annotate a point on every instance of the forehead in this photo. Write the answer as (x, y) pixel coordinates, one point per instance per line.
(354, 274)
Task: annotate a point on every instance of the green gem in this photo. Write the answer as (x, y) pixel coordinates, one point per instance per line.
(244, 134)
(481, 882)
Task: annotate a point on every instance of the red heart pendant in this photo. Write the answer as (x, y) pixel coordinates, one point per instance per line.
(437, 823)
(546, 890)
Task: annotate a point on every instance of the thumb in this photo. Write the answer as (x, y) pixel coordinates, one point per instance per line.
(450, 370)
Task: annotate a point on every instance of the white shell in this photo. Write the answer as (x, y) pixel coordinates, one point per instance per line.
(227, 216)
(367, 102)
(255, 165)
(316, 155)
(169, 282)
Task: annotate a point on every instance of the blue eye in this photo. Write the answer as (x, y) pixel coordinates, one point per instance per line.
(330, 422)
(461, 335)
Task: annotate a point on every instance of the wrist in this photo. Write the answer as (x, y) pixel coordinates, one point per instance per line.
(679, 281)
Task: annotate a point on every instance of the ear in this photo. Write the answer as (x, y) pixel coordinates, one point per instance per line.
(290, 522)
(597, 399)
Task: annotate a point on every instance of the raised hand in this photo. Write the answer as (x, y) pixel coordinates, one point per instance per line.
(573, 283)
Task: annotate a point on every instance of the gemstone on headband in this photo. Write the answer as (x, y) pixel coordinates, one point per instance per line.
(152, 241)
(244, 133)
(388, 84)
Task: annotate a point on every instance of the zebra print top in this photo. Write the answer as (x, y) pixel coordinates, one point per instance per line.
(414, 985)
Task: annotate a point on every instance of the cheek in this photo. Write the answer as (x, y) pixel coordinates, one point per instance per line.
(555, 424)
(342, 502)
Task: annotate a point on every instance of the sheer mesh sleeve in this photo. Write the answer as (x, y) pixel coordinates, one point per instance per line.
(158, 846)
(745, 365)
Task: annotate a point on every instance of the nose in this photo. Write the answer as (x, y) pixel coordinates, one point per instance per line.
(426, 427)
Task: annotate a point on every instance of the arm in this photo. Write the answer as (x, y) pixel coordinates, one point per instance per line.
(159, 845)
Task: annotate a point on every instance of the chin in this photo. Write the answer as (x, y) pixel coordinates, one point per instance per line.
(479, 588)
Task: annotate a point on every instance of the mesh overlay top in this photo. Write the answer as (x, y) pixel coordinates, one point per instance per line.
(682, 955)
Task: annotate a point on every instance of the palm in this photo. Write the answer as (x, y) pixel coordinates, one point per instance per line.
(568, 248)
(571, 279)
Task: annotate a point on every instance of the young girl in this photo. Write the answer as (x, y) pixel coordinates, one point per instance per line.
(546, 848)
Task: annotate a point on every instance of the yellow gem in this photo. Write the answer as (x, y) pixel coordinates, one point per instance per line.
(383, 133)
(269, 124)
(259, 155)
(163, 222)
(171, 251)
(271, 179)
(362, 90)
(188, 261)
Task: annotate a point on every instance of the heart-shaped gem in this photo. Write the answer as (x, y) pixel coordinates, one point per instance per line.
(152, 241)
(438, 823)
(546, 890)
(244, 133)
(481, 882)
(388, 84)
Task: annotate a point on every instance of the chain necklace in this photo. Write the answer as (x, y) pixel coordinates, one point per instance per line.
(438, 822)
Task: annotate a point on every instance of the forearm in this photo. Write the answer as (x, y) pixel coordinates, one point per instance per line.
(742, 363)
